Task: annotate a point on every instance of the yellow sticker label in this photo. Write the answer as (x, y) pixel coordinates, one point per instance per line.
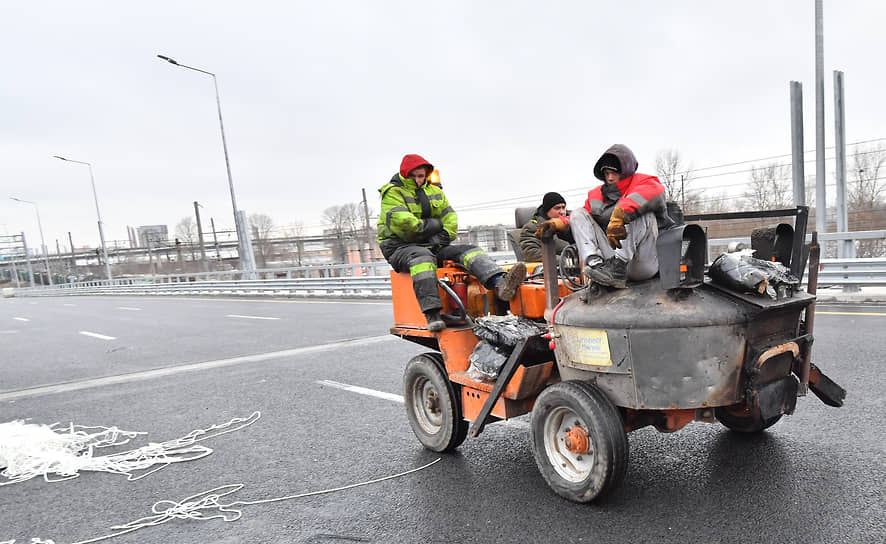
(593, 348)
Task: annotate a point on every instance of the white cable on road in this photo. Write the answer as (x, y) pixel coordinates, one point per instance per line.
(29, 450)
(207, 505)
(252, 317)
(97, 335)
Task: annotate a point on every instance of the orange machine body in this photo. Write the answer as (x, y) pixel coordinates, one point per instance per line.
(455, 343)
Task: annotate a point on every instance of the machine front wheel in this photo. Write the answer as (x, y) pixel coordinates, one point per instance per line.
(741, 418)
(578, 441)
(433, 404)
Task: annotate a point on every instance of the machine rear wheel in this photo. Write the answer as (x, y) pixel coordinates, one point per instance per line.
(742, 419)
(578, 441)
(433, 404)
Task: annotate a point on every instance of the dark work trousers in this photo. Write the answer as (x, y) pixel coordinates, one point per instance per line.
(421, 262)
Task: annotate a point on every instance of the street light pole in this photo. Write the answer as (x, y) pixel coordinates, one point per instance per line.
(244, 244)
(42, 243)
(101, 230)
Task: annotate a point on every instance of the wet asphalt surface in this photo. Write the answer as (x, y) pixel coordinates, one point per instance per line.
(816, 476)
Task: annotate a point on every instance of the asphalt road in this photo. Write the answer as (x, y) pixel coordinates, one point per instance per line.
(174, 365)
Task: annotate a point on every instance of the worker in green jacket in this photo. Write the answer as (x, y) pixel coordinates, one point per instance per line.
(415, 227)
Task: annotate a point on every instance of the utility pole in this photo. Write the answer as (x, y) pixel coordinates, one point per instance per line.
(821, 205)
(215, 240)
(845, 248)
(797, 168)
(366, 226)
(73, 255)
(28, 260)
(200, 237)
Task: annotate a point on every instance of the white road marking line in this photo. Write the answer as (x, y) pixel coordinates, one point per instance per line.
(97, 335)
(252, 317)
(21, 318)
(130, 308)
(10, 331)
(192, 367)
(521, 423)
(362, 390)
(68, 304)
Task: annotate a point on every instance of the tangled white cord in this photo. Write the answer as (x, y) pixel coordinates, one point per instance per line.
(208, 505)
(57, 454)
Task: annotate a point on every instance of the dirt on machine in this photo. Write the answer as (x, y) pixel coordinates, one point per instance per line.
(591, 364)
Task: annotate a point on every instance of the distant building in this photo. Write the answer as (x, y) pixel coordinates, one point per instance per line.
(154, 233)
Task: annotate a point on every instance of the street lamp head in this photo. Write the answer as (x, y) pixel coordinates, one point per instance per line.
(167, 59)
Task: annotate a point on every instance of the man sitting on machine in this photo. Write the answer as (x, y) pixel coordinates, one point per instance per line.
(416, 225)
(616, 230)
(553, 206)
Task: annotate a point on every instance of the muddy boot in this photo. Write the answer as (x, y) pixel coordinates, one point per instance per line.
(435, 322)
(613, 273)
(508, 284)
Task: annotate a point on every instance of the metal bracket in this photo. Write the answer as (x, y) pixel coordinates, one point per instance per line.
(504, 376)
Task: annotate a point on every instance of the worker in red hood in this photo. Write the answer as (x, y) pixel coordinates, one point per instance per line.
(415, 227)
(617, 229)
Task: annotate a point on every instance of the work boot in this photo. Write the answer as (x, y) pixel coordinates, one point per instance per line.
(613, 273)
(507, 285)
(435, 322)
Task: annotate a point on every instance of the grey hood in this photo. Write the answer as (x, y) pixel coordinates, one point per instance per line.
(618, 154)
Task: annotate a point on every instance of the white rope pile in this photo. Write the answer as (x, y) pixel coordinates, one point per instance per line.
(60, 453)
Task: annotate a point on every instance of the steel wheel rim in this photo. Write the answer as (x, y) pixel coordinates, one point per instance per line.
(570, 466)
(426, 406)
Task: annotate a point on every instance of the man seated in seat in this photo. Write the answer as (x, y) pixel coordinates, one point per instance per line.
(617, 229)
(416, 225)
(553, 206)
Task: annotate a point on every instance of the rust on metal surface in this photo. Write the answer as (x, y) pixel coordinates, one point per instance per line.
(666, 421)
(577, 441)
(778, 350)
(526, 381)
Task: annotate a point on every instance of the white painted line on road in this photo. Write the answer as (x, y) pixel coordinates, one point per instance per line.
(252, 317)
(521, 423)
(97, 335)
(130, 308)
(68, 304)
(21, 318)
(192, 367)
(9, 331)
(362, 390)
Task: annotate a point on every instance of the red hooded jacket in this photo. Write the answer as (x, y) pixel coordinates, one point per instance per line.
(411, 162)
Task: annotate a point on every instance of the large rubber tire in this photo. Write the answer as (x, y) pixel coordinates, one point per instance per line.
(433, 404)
(578, 477)
(741, 419)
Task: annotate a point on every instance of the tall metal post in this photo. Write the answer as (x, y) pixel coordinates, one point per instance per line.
(247, 258)
(797, 153)
(215, 240)
(821, 204)
(845, 248)
(366, 227)
(98, 213)
(42, 240)
(28, 260)
(200, 237)
(73, 255)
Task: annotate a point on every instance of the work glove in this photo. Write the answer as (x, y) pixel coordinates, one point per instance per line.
(429, 227)
(440, 239)
(616, 231)
(546, 230)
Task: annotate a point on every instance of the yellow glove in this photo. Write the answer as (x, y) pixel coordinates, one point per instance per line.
(547, 229)
(616, 231)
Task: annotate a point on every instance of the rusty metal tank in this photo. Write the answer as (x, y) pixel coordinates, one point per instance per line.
(652, 348)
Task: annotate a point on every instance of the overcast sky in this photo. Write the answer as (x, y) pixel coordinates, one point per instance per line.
(320, 99)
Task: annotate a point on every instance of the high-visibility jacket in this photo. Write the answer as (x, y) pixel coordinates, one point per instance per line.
(414, 215)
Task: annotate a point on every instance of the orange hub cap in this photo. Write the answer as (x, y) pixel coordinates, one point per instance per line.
(577, 441)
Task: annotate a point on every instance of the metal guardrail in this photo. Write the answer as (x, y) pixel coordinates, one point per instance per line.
(833, 272)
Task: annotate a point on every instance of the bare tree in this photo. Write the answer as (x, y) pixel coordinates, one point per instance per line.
(296, 232)
(344, 222)
(867, 189)
(186, 232)
(261, 232)
(769, 187)
(677, 177)
(866, 196)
